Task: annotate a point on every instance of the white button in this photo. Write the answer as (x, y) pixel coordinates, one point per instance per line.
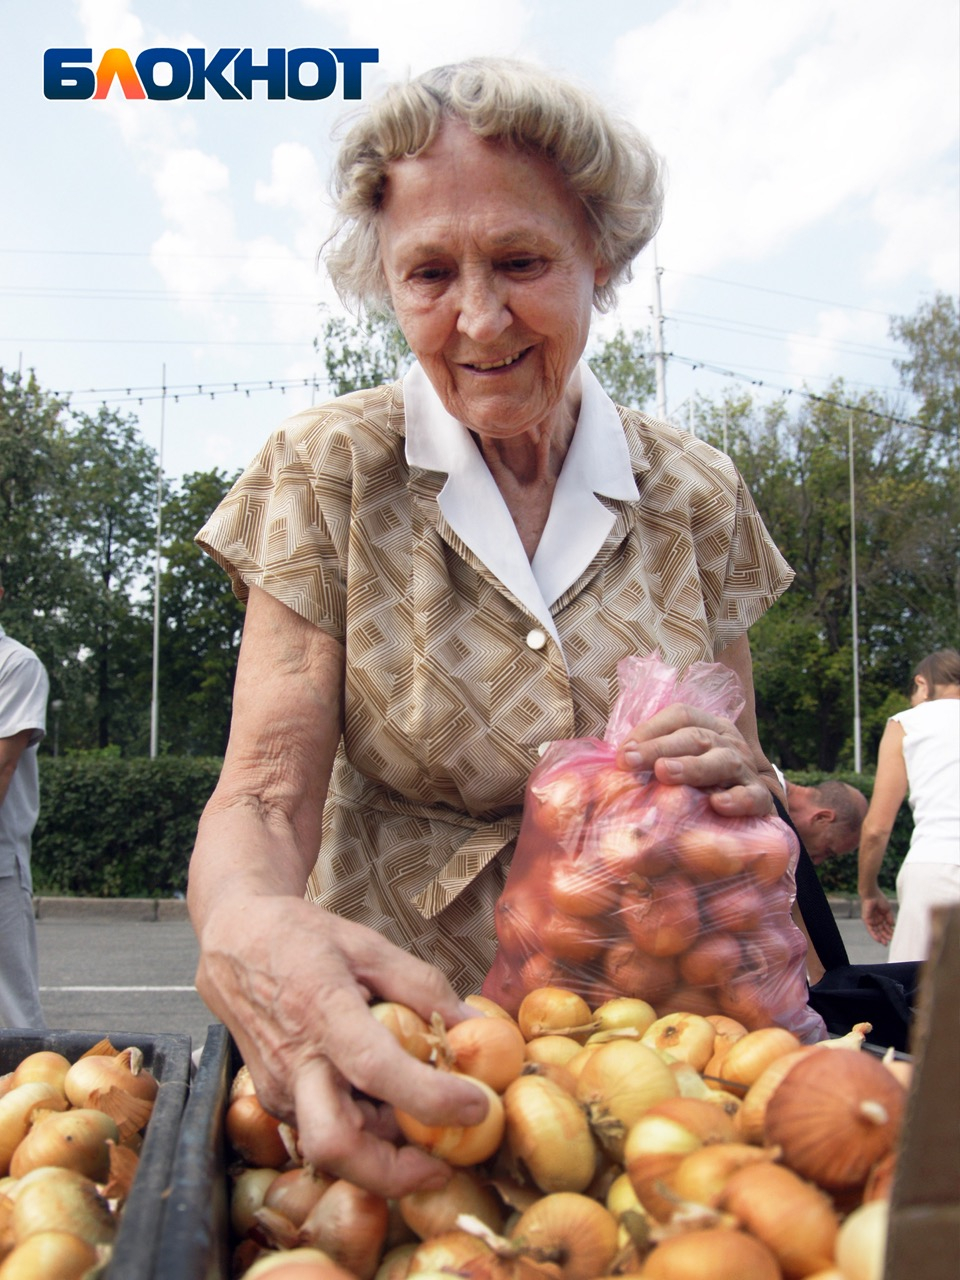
(536, 638)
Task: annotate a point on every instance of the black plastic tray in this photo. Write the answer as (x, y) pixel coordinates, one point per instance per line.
(195, 1238)
(168, 1058)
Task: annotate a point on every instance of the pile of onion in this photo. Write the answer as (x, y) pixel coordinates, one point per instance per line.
(69, 1140)
(617, 1142)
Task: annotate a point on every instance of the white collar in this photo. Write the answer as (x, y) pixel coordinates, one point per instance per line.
(597, 462)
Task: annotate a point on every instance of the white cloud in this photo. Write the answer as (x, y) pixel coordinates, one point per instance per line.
(776, 117)
(434, 32)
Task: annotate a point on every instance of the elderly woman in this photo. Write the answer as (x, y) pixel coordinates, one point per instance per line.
(442, 575)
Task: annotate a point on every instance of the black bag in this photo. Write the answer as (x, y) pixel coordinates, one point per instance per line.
(881, 994)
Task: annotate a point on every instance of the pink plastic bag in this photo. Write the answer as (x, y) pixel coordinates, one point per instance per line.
(621, 885)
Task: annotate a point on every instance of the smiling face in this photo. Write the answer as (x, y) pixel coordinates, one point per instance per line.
(490, 264)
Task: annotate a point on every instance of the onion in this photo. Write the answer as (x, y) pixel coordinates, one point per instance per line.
(44, 1067)
(716, 1253)
(834, 1115)
(702, 1175)
(660, 914)
(618, 1083)
(247, 1196)
(862, 1242)
(576, 1233)
(431, 1213)
(50, 1253)
(488, 1007)
(487, 1049)
(629, 972)
(554, 1011)
(295, 1191)
(794, 1220)
(254, 1133)
(652, 1153)
(753, 1110)
(74, 1139)
(581, 887)
(548, 1131)
(52, 1199)
(16, 1113)
(685, 1036)
(624, 1013)
(554, 1050)
(117, 1085)
(459, 1144)
(297, 1264)
(349, 1224)
(460, 1253)
(748, 1057)
(711, 961)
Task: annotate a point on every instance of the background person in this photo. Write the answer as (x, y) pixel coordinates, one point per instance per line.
(919, 754)
(441, 575)
(23, 709)
(828, 816)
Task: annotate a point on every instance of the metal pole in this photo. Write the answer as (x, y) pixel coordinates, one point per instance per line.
(855, 634)
(659, 362)
(154, 697)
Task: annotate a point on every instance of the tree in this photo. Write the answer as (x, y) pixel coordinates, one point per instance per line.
(39, 576)
(366, 354)
(202, 625)
(624, 368)
(111, 508)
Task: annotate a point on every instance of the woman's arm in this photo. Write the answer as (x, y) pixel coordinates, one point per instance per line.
(889, 791)
(291, 981)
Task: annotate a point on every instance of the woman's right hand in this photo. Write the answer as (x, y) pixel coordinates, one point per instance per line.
(293, 984)
(877, 914)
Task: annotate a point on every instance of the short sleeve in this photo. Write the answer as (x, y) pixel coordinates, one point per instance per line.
(24, 688)
(757, 574)
(283, 527)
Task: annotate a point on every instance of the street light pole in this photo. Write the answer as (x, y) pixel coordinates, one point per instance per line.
(659, 362)
(855, 634)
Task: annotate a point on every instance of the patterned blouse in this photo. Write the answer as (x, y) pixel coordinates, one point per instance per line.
(453, 683)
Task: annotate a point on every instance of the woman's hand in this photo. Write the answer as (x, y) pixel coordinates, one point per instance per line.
(877, 914)
(293, 984)
(682, 744)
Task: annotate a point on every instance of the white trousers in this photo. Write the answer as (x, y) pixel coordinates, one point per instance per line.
(19, 971)
(920, 886)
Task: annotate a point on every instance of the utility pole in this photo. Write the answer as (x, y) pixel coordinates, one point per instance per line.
(659, 360)
(855, 635)
(154, 697)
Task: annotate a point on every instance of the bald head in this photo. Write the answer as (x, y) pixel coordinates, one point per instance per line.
(827, 816)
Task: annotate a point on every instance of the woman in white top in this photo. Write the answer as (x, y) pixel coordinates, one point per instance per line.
(919, 753)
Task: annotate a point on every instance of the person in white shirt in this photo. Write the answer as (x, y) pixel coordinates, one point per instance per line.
(920, 755)
(23, 707)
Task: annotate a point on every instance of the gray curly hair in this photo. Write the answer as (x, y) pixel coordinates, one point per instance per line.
(608, 163)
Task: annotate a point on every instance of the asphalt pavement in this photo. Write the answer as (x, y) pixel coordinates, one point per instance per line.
(129, 965)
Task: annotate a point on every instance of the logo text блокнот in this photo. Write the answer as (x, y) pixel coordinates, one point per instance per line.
(164, 74)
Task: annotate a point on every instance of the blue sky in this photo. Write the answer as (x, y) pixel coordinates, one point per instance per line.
(811, 150)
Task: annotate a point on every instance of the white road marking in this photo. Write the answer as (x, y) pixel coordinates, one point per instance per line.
(118, 989)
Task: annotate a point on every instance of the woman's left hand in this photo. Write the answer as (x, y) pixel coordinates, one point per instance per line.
(683, 745)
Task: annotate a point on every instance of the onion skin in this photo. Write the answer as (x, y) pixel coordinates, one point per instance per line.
(487, 1049)
(298, 1264)
(717, 1253)
(349, 1224)
(834, 1115)
(794, 1220)
(45, 1066)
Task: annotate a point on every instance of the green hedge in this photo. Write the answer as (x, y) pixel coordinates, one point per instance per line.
(114, 828)
(839, 875)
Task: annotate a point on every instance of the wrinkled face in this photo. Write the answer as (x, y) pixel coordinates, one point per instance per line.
(490, 264)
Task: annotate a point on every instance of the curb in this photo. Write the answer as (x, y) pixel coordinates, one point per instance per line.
(136, 909)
